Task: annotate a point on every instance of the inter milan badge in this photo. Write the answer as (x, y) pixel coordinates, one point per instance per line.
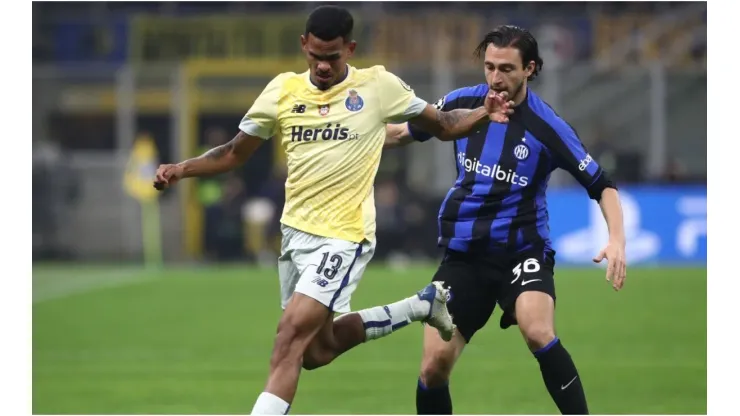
(354, 102)
(521, 151)
(324, 110)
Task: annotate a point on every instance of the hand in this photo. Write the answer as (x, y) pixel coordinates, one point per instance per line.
(499, 106)
(616, 270)
(167, 175)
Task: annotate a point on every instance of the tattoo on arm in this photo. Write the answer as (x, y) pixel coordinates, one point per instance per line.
(452, 119)
(447, 119)
(230, 148)
(460, 121)
(222, 158)
(220, 151)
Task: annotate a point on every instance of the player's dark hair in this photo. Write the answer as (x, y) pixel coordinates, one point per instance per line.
(516, 37)
(330, 22)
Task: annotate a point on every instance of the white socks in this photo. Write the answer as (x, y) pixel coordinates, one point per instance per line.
(383, 320)
(269, 404)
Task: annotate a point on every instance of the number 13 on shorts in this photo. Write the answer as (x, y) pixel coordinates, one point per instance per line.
(325, 269)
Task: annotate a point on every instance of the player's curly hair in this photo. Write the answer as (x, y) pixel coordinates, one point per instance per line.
(330, 22)
(516, 37)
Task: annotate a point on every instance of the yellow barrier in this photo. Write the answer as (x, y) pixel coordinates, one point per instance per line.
(175, 38)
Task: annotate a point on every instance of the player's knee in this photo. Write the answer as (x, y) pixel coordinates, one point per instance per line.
(291, 338)
(317, 355)
(436, 368)
(538, 336)
(314, 358)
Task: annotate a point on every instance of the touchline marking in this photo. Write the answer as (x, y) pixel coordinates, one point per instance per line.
(65, 287)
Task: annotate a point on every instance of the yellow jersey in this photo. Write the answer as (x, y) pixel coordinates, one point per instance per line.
(333, 140)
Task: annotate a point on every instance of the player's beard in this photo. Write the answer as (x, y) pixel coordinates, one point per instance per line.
(323, 85)
(514, 95)
(513, 92)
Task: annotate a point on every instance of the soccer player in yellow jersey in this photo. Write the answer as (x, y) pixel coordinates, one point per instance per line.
(331, 121)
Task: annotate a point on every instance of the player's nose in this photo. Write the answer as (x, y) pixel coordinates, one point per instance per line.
(497, 79)
(323, 67)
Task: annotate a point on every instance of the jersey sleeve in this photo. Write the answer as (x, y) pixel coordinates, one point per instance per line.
(571, 155)
(398, 103)
(261, 119)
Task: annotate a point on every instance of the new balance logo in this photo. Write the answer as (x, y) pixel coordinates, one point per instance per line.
(320, 281)
(299, 109)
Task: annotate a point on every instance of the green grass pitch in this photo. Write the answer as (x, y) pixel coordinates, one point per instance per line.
(117, 340)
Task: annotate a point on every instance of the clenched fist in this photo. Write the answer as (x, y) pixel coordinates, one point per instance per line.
(167, 175)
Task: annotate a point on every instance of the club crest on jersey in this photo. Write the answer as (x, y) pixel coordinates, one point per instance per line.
(521, 151)
(354, 102)
(324, 110)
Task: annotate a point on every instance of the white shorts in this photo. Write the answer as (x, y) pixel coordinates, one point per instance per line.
(325, 269)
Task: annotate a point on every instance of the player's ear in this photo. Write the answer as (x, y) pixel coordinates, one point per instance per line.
(351, 48)
(304, 41)
(529, 70)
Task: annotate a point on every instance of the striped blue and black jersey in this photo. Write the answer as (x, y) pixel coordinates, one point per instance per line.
(498, 199)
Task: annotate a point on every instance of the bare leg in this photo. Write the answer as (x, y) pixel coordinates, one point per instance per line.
(433, 393)
(352, 329)
(301, 321)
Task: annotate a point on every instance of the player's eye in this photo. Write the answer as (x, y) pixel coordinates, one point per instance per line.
(325, 58)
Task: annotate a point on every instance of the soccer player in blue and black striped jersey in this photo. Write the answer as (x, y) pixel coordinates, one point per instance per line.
(494, 223)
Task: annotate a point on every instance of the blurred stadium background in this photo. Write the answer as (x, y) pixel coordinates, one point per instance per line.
(120, 87)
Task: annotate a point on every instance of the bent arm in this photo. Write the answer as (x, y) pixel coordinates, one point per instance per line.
(397, 135)
(222, 158)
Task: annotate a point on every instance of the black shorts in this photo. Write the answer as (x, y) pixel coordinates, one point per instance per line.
(478, 281)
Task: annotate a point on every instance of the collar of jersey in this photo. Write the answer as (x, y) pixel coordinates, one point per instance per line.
(315, 88)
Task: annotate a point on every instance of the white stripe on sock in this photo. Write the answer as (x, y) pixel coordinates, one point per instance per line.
(383, 320)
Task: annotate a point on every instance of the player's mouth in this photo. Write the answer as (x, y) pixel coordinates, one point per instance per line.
(323, 78)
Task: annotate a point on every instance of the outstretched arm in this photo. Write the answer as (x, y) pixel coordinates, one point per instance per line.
(455, 124)
(450, 125)
(398, 104)
(220, 159)
(257, 126)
